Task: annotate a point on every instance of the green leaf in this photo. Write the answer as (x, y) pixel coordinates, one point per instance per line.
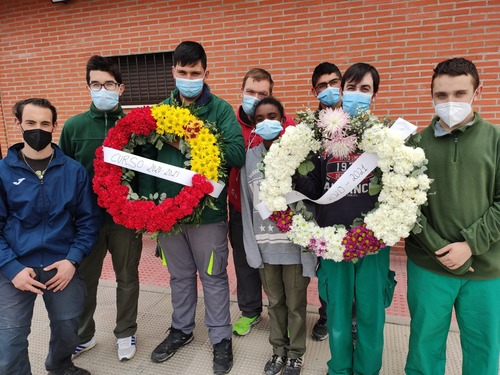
(305, 167)
(374, 188)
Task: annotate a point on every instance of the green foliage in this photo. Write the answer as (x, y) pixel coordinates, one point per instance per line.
(305, 167)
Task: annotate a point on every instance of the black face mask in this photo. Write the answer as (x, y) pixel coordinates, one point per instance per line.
(37, 139)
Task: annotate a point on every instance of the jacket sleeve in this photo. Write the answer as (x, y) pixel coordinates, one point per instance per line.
(65, 143)
(430, 241)
(252, 251)
(486, 230)
(234, 148)
(87, 219)
(313, 184)
(9, 266)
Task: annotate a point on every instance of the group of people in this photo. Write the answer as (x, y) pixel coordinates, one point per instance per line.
(54, 237)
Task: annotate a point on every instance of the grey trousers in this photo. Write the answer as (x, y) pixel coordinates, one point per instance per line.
(204, 250)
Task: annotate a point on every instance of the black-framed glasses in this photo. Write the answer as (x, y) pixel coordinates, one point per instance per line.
(109, 86)
(323, 85)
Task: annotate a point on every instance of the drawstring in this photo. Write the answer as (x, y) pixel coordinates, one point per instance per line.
(251, 139)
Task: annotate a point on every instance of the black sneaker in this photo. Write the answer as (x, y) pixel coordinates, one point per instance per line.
(319, 331)
(274, 365)
(223, 357)
(293, 366)
(174, 341)
(71, 370)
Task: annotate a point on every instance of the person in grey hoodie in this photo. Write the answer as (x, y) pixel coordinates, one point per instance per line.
(285, 268)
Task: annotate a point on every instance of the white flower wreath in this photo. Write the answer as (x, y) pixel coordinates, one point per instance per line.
(404, 184)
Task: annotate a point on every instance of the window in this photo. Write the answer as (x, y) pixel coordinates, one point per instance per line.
(147, 77)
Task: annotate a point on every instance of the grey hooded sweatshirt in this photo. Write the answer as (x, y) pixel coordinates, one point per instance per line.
(262, 240)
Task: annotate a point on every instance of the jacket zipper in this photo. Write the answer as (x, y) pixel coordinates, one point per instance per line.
(456, 148)
(105, 124)
(44, 217)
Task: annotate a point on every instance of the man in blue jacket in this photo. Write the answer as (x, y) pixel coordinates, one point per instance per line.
(48, 223)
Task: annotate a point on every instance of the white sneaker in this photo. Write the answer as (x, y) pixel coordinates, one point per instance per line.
(126, 348)
(84, 347)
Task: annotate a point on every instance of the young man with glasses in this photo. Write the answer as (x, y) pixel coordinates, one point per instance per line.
(49, 221)
(367, 282)
(326, 79)
(80, 137)
(257, 85)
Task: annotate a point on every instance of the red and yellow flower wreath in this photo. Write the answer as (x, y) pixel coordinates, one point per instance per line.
(157, 125)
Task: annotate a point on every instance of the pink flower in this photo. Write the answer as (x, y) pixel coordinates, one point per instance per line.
(282, 219)
(341, 146)
(359, 242)
(333, 122)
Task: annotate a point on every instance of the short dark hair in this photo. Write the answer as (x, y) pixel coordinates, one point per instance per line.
(357, 71)
(456, 67)
(322, 69)
(273, 101)
(189, 53)
(259, 75)
(18, 108)
(103, 64)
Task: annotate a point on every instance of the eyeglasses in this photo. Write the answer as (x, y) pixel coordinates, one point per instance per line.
(109, 86)
(323, 85)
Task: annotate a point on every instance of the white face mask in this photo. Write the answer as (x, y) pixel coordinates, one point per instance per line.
(453, 113)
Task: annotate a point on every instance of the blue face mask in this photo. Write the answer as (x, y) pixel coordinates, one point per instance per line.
(354, 102)
(330, 96)
(189, 88)
(249, 103)
(268, 129)
(105, 100)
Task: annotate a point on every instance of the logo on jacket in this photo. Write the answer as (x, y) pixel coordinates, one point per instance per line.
(18, 182)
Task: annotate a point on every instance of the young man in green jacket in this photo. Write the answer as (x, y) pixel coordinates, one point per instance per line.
(81, 136)
(198, 248)
(454, 262)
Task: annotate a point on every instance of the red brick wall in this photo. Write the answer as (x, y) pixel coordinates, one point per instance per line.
(44, 46)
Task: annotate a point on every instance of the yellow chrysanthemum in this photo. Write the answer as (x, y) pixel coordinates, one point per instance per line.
(171, 119)
(179, 121)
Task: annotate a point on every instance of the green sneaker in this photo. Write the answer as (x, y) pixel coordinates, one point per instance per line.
(243, 325)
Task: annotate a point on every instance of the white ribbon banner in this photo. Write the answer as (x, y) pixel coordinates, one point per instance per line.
(154, 168)
(351, 178)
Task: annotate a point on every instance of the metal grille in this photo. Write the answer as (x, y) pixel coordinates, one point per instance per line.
(147, 77)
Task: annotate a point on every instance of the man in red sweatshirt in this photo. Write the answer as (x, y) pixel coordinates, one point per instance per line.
(257, 84)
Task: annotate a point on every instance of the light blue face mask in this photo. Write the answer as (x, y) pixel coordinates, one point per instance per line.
(249, 103)
(354, 102)
(268, 129)
(330, 96)
(105, 100)
(189, 88)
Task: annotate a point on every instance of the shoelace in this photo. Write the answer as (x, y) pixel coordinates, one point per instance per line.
(276, 359)
(221, 351)
(295, 362)
(126, 342)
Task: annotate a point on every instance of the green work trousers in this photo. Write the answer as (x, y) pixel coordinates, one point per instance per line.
(286, 290)
(125, 248)
(431, 299)
(370, 284)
